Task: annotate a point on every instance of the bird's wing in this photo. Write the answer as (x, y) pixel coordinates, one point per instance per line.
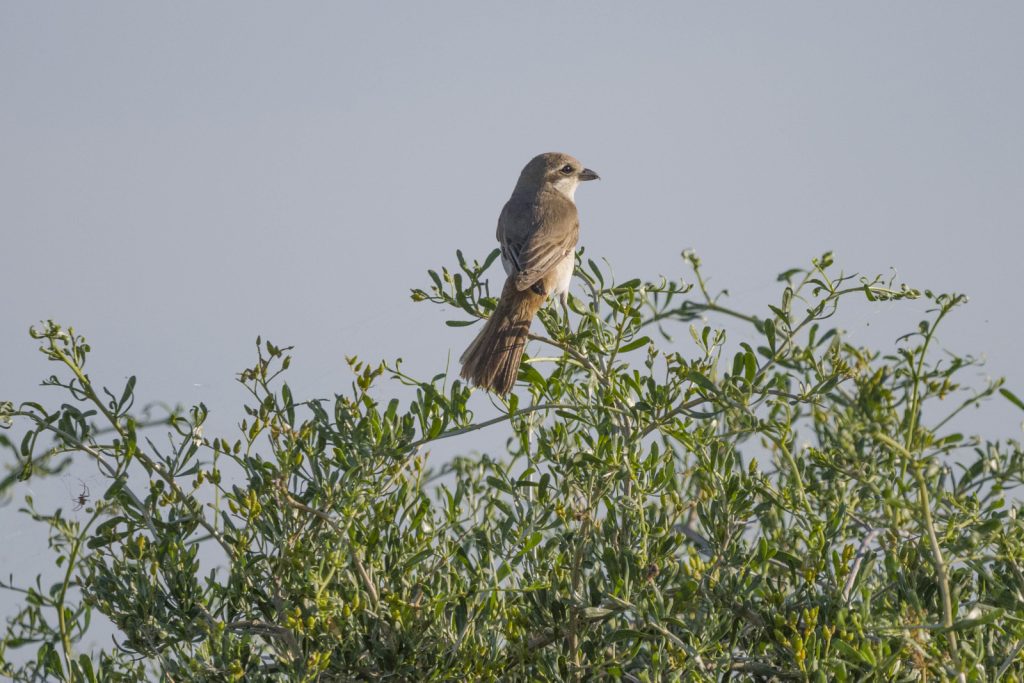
(535, 236)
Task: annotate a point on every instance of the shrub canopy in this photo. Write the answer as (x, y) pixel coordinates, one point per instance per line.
(670, 505)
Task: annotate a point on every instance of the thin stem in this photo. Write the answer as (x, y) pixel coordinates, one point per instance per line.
(941, 572)
(357, 562)
(940, 564)
(583, 360)
(682, 311)
(65, 635)
(796, 473)
(681, 408)
(487, 423)
(914, 406)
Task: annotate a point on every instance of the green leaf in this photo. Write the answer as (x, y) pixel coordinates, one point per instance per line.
(289, 403)
(109, 525)
(102, 541)
(460, 616)
(596, 271)
(433, 276)
(769, 333)
(85, 667)
(129, 387)
(1012, 398)
(750, 363)
(531, 542)
(737, 364)
(598, 612)
(827, 385)
(862, 656)
(51, 662)
(532, 376)
(701, 381)
(417, 559)
(786, 276)
(988, 617)
(624, 634)
(499, 484)
(635, 344)
(115, 487)
(495, 253)
(459, 323)
(789, 559)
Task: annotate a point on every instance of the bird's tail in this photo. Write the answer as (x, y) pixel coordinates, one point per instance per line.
(492, 360)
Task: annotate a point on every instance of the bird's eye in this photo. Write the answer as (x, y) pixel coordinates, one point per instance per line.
(567, 169)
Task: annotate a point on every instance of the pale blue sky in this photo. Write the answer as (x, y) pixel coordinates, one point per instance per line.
(180, 177)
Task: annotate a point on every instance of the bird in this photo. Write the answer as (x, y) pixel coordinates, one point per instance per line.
(538, 229)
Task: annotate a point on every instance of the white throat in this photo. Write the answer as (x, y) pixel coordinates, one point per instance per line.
(567, 186)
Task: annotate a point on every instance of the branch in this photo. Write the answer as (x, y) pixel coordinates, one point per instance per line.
(356, 561)
(941, 572)
(487, 423)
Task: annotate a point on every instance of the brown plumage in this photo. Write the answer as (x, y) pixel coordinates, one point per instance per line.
(492, 360)
(537, 230)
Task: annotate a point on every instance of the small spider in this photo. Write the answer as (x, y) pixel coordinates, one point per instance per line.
(82, 498)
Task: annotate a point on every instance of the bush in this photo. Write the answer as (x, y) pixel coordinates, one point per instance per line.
(673, 509)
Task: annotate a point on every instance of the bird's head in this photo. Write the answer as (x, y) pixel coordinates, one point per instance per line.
(554, 170)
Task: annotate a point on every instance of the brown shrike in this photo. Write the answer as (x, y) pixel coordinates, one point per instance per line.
(537, 231)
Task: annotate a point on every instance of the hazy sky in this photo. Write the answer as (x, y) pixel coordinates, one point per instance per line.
(178, 178)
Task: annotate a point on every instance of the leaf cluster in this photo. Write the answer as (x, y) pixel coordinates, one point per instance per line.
(670, 505)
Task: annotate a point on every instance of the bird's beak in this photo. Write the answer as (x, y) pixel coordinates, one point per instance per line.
(587, 174)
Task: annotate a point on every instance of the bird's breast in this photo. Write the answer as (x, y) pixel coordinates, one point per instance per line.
(561, 277)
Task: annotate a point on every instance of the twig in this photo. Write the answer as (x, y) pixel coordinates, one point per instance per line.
(567, 349)
(487, 423)
(862, 552)
(681, 408)
(1008, 661)
(933, 539)
(364, 575)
